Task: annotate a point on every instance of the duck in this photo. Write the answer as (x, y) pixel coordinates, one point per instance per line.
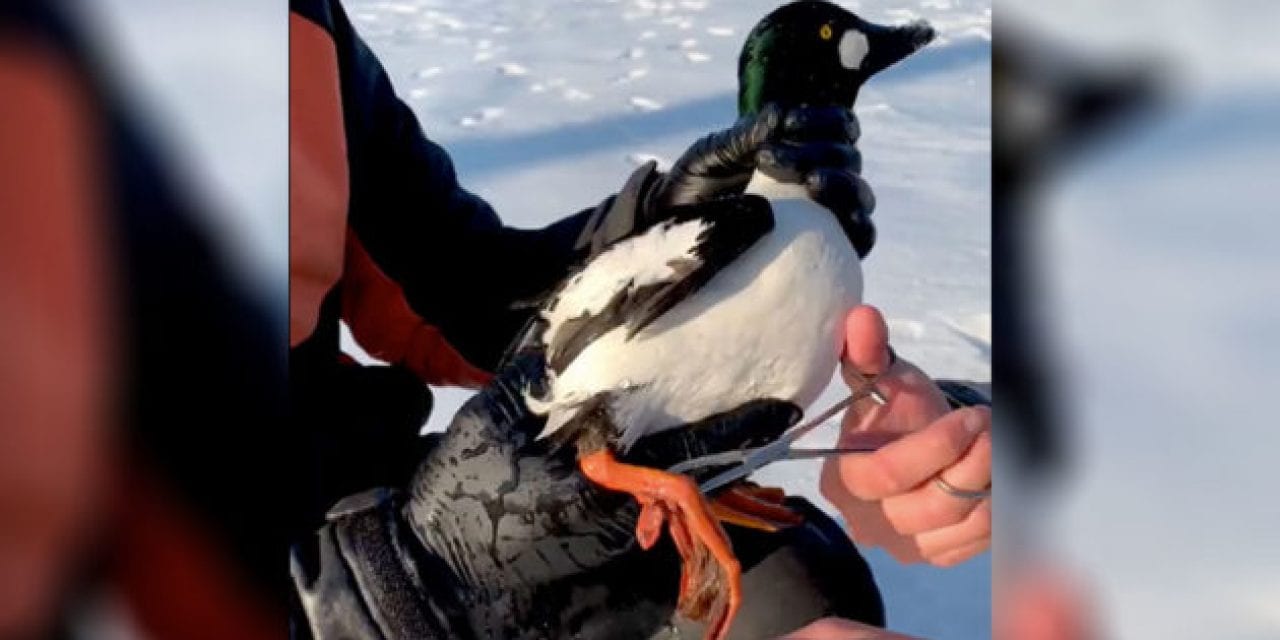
(732, 301)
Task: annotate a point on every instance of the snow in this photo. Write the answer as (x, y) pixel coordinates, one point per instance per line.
(609, 84)
(512, 69)
(645, 104)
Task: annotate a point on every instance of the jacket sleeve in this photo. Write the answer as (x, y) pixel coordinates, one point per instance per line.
(460, 269)
(961, 394)
(364, 574)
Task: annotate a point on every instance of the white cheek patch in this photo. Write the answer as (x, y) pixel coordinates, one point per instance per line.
(853, 48)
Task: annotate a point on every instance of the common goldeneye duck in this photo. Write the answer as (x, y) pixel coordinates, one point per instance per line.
(728, 302)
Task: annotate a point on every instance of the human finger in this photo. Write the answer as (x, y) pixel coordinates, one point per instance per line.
(947, 543)
(790, 163)
(842, 191)
(841, 629)
(866, 341)
(907, 462)
(807, 124)
(960, 555)
(928, 507)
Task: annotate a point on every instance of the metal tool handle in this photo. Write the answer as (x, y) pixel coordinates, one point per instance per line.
(806, 454)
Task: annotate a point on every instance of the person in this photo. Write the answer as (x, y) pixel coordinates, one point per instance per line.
(570, 569)
(384, 238)
(474, 532)
(925, 495)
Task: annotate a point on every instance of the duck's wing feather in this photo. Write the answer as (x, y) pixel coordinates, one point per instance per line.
(635, 281)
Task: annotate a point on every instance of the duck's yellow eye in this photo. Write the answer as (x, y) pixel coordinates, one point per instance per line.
(825, 32)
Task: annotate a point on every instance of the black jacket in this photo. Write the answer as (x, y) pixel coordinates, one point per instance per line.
(424, 272)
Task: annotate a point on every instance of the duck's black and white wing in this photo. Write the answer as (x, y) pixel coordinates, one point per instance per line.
(635, 281)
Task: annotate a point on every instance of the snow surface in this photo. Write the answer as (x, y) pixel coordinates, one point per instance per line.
(547, 107)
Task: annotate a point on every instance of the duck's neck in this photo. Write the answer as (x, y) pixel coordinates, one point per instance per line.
(763, 185)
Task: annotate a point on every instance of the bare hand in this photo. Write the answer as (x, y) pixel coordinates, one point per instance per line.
(889, 498)
(1043, 602)
(840, 629)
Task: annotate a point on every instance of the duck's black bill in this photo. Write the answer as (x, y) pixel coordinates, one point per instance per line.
(888, 45)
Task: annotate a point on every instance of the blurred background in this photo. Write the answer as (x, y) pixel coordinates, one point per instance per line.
(143, 247)
(1136, 271)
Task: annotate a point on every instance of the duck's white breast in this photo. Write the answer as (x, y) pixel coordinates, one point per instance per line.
(767, 326)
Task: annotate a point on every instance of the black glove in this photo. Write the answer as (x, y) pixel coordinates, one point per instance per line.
(965, 394)
(814, 146)
(492, 522)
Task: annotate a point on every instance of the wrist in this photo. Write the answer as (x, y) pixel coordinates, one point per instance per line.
(364, 573)
(635, 206)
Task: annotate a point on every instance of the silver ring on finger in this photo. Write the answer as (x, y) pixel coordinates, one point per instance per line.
(963, 494)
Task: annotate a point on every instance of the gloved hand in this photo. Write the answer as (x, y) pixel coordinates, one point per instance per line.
(813, 146)
(492, 522)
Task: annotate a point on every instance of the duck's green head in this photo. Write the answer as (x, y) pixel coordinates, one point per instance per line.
(814, 53)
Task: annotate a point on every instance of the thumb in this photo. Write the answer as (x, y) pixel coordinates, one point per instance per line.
(499, 410)
(734, 150)
(866, 342)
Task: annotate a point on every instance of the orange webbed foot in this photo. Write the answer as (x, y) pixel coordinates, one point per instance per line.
(711, 578)
(755, 507)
